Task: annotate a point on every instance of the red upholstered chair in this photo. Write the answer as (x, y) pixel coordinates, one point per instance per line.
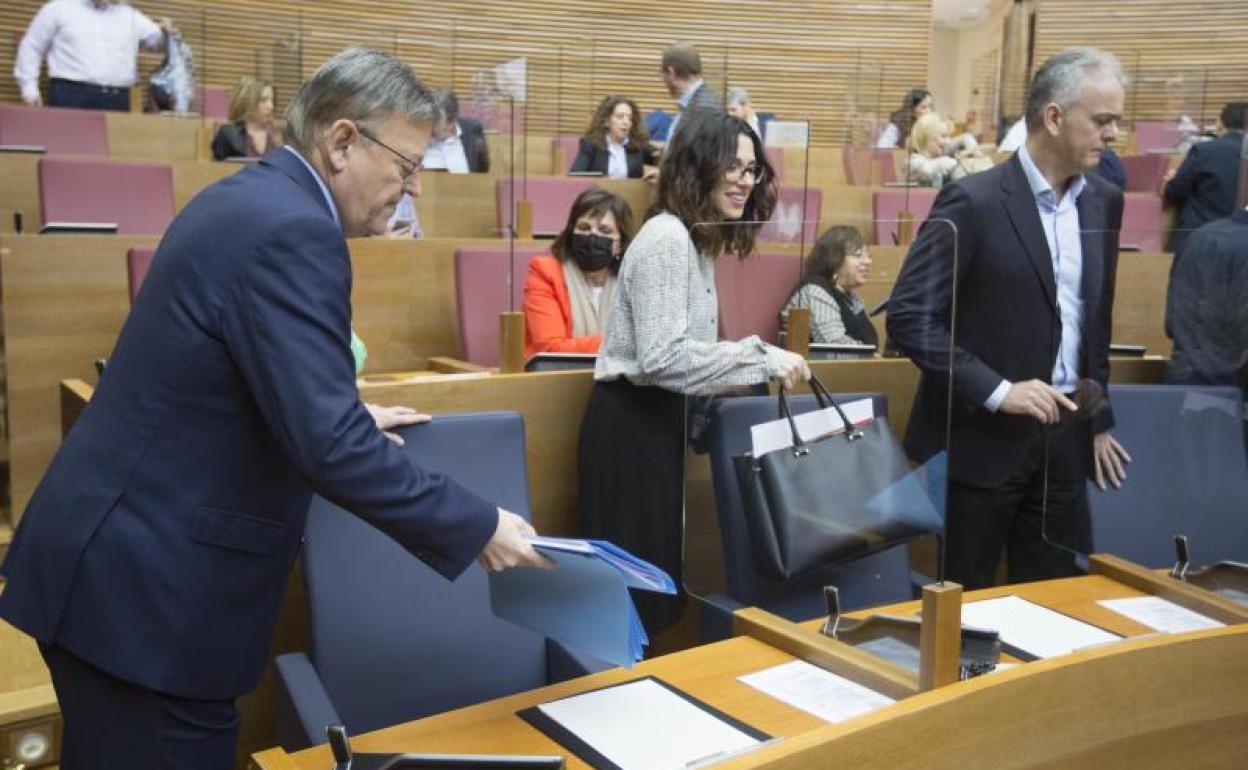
(789, 218)
(552, 198)
(138, 262)
(137, 197)
(1145, 172)
(1155, 136)
(775, 156)
(886, 161)
(752, 291)
(1141, 222)
(214, 102)
(887, 205)
(56, 129)
(482, 292)
(571, 146)
(857, 162)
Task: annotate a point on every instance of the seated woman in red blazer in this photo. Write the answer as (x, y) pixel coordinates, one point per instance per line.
(568, 295)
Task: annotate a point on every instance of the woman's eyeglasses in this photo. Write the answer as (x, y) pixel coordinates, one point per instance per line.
(736, 172)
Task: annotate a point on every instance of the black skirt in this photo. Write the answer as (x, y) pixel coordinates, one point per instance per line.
(631, 458)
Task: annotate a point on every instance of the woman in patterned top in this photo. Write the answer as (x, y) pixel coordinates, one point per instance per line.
(661, 345)
(836, 266)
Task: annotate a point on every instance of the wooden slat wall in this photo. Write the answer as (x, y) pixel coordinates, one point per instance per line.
(840, 64)
(1183, 57)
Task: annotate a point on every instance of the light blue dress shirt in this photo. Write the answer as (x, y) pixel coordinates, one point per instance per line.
(1060, 222)
(682, 103)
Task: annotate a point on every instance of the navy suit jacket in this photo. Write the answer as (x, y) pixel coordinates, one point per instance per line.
(1008, 320)
(158, 542)
(1205, 185)
(476, 151)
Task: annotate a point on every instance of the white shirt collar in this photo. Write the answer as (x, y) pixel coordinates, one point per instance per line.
(1040, 185)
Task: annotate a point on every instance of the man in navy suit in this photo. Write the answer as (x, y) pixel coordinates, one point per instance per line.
(151, 561)
(1207, 182)
(1036, 242)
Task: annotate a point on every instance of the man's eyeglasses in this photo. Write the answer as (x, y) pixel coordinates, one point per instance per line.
(408, 168)
(736, 172)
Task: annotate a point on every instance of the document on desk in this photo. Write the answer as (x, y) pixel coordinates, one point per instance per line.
(828, 696)
(1029, 631)
(1160, 614)
(645, 724)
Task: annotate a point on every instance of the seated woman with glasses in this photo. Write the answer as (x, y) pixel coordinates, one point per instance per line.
(251, 131)
(616, 143)
(661, 344)
(568, 295)
(837, 265)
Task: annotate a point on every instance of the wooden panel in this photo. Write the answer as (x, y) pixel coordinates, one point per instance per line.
(151, 136)
(1183, 58)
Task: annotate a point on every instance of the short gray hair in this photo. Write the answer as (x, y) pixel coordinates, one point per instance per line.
(358, 84)
(738, 95)
(1060, 79)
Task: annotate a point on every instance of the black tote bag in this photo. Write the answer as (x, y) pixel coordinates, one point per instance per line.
(819, 503)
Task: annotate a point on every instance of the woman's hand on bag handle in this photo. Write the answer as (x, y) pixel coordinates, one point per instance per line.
(791, 368)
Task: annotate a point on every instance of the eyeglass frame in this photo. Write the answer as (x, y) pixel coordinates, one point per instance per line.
(756, 170)
(409, 168)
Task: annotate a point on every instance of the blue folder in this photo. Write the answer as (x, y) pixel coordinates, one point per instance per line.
(583, 603)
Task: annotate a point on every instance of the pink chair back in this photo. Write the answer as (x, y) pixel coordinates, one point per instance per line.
(571, 146)
(138, 197)
(1155, 136)
(775, 156)
(215, 102)
(63, 130)
(552, 198)
(482, 292)
(887, 205)
(786, 223)
(886, 162)
(751, 293)
(138, 262)
(1145, 172)
(1141, 222)
(857, 162)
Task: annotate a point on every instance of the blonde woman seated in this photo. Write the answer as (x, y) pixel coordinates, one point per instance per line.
(837, 265)
(935, 158)
(251, 131)
(568, 295)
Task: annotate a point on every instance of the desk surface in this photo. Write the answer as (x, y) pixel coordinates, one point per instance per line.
(711, 672)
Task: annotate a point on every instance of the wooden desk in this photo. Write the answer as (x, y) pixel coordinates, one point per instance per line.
(1149, 701)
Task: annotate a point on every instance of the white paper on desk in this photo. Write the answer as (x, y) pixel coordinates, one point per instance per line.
(828, 696)
(643, 725)
(778, 434)
(1160, 614)
(1033, 629)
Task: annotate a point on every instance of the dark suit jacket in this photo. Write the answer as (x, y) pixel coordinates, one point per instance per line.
(1205, 184)
(475, 149)
(1008, 321)
(591, 158)
(158, 543)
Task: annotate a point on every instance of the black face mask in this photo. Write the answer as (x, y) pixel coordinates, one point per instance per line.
(591, 252)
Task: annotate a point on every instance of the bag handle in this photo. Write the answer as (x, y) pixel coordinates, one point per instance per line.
(824, 399)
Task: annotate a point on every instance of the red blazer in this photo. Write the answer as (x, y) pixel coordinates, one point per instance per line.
(548, 312)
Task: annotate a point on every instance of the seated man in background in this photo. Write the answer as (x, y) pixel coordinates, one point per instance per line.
(92, 48)
(739, 107)
(1207, 305)
(1206, 184)
(458, 144)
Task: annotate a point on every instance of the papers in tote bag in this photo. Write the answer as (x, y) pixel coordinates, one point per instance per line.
(1030, 631)
(828, 696)
(583, 603)
(1160, 614)
(778, 434)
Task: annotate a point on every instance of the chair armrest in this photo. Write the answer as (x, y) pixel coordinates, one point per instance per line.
(563, 664)
(303, 706)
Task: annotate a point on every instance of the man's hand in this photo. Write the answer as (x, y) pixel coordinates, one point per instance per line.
(33, 101)
(793, 369)
(1037, 399)
(1111, 460)
(508, 548)
(388, 417)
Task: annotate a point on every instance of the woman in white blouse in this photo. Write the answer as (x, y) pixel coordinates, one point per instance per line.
(615, 144)
(660, 345)
(935, 158)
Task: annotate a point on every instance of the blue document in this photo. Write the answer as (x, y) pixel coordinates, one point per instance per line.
(584, 602)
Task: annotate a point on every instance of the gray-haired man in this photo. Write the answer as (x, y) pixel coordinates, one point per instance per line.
(152, 559)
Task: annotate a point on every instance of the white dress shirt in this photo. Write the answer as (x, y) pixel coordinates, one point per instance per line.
(448, 154)
(617, 159)
(85, 43)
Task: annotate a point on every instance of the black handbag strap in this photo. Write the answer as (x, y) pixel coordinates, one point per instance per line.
(824, 399)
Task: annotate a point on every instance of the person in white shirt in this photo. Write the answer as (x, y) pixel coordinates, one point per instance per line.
(92, 47)
(916, 104)
(458, 144)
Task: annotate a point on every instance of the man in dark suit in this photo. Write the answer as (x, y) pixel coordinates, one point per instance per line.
(681, 69)
(151, 561)
(1206, 183)
(1036, 242)
(458, 143)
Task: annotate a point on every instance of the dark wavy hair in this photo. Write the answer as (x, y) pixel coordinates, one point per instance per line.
(596, 202)
(597, 130)
(903, 118)
(829, 252)
(703, 150)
